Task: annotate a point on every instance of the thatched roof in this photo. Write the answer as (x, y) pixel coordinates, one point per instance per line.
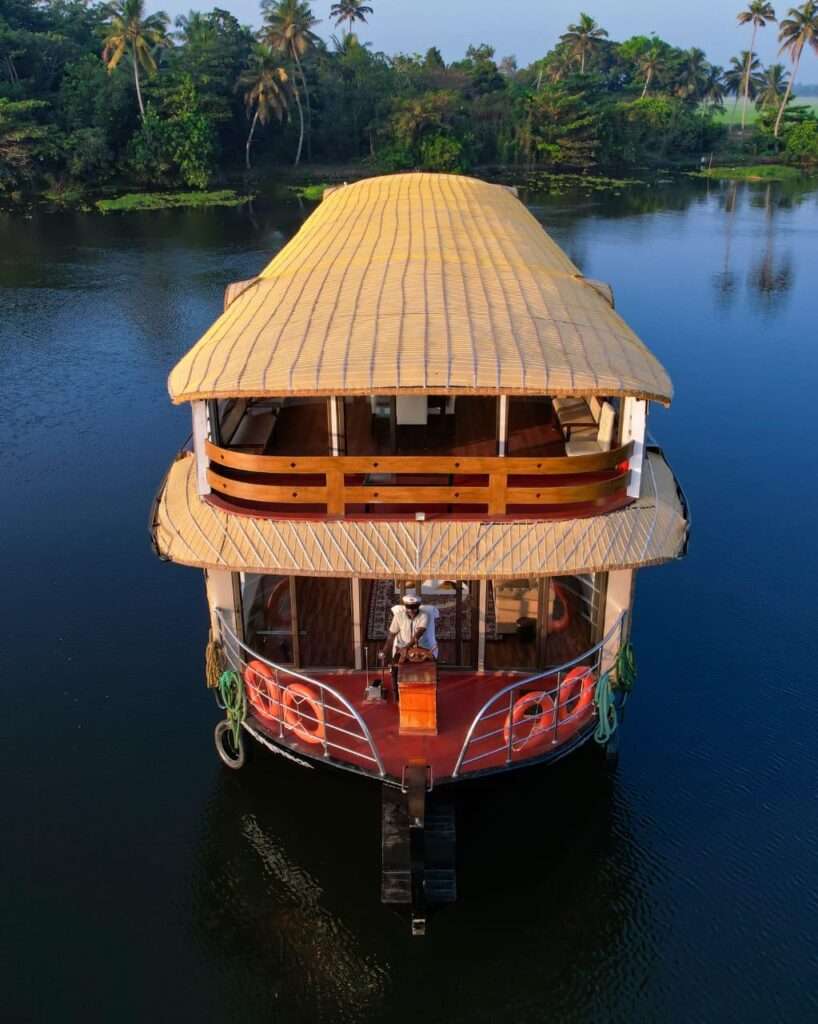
(419, 282)
(194, 532)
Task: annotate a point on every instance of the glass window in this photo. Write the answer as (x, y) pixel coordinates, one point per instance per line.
(268, 619)
(537, 623)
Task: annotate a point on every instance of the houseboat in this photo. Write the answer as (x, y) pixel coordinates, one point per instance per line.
(419, 484)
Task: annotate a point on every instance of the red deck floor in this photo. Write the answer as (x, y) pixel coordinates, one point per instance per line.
(460, 697)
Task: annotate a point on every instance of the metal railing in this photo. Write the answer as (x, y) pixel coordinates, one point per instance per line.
(534, 716)
(294, 707)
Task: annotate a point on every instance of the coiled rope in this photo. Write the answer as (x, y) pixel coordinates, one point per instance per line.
(607, 720)
(604, 698)
(213, 663)
(235, 705)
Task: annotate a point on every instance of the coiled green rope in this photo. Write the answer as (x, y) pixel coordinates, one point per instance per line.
(235, 705)
(606, 702)
(625, 668)
(607, 720)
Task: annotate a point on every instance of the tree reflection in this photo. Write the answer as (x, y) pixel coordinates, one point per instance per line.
(771, 276)
(725, 279)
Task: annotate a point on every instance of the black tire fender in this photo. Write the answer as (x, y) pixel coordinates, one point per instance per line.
(228, 755)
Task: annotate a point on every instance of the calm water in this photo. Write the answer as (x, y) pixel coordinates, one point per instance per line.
(141, 882)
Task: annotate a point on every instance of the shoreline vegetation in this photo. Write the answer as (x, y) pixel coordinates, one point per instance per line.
(554, 183)
(137, 201)
(106, 105)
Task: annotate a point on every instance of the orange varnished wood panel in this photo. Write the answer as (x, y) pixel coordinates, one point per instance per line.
(419, 464)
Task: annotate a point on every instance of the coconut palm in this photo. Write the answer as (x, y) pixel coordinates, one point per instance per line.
(772, 87)
(651, 63)
(265, 86)
(734, 76)
(757, 14)
(692, 75)
(128, 31)
(288, 27)
(797, 30)
(349, 11)
(195, 29)
(583, 39)
(714, 89)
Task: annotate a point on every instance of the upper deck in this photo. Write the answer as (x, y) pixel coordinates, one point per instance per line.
(420, 351)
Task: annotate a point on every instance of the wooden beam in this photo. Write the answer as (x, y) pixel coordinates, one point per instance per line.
(498, 487)
(421, 465)
(336, 498)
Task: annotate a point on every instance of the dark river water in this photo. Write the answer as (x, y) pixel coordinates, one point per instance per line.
(141, 882)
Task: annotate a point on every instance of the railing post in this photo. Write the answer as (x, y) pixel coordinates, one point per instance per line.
(324, 717)
(336, 506)
(557, 706)
(510, 749)
(498, 483)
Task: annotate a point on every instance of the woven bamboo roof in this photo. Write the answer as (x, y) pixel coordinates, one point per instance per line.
(419, 282)
(193, 532)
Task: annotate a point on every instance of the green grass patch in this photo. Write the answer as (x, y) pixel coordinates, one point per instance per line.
(315, 193)
(165, 200)
(557, 184)
(757, 172)
(730, 114)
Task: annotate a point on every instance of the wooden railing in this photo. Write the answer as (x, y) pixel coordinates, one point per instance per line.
(248, 478)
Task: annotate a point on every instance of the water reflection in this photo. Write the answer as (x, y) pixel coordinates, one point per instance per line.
(725, 279)
(771, 276)
(289, 874)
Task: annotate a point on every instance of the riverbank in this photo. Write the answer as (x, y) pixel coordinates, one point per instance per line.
(308, 183)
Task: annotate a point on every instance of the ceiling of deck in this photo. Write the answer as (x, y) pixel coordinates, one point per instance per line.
(419, 282)
(191, 531)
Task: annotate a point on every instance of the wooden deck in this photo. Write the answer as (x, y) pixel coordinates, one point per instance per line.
(449, 466)
(460, 697)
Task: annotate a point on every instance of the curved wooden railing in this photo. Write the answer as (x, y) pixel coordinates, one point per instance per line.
(258, 478)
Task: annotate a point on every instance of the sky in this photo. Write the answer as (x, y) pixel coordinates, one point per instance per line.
(528, 29)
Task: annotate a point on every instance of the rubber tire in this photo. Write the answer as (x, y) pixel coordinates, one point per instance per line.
(223, 738)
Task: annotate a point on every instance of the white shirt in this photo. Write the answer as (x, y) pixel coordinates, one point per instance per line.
(405, 629)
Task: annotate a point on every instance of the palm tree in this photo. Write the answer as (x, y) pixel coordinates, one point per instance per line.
(265, 85)
(734, 76)
(757, 14)
(693, 75)
(349, 11)
(650, 63)
(583, 39)
(797, 30)
(195, 29)
(772, 87)
(288, 27)
(129, 32)
(714, 89)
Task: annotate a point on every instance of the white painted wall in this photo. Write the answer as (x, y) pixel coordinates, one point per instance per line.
(200, 435)
(634, 424)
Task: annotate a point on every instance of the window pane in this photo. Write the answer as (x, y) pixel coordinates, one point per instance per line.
(268, 616)
(512, 613)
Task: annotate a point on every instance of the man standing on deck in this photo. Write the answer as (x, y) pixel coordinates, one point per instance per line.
(413, 625)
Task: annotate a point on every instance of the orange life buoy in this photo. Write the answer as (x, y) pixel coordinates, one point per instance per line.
(262, 690)
(309, 728)
(541, 721)
(557, 624)
(576, 700)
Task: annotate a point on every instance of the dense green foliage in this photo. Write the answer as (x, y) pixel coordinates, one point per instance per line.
(95, 95)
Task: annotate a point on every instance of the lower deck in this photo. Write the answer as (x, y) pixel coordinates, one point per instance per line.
(460, 696)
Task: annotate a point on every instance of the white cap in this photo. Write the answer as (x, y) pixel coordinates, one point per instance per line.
(411, 599)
